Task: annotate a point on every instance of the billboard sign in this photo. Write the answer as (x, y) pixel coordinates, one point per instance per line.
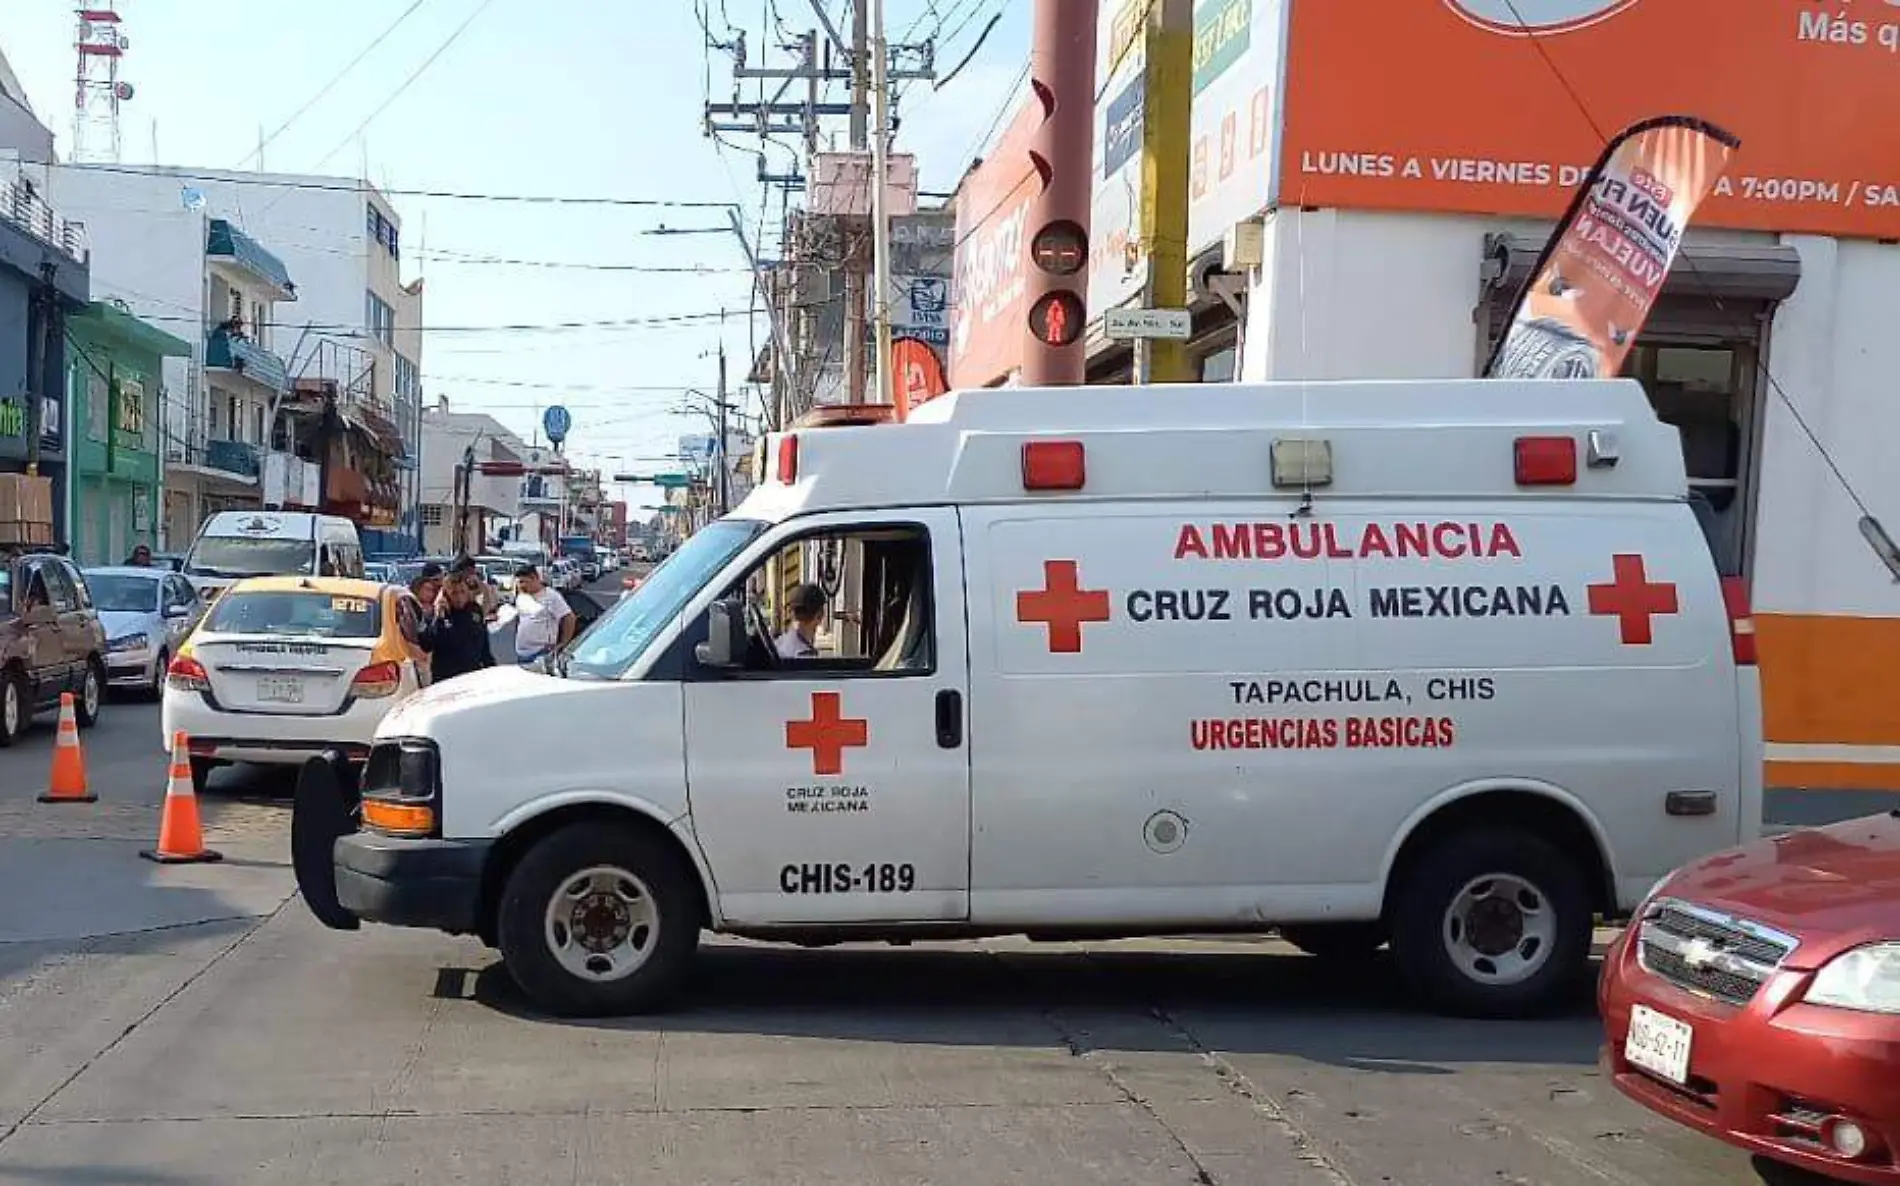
(987, 318)
(1505, 104)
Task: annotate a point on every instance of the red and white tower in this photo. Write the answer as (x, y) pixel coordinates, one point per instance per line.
(98, 90)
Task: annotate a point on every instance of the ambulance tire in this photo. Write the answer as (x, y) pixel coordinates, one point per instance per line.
(554, 861)
(1432, 886)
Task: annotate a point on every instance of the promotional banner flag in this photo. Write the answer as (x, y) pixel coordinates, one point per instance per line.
(1601, 272)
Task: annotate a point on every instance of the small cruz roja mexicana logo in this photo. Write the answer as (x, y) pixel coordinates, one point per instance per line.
(1526, 18)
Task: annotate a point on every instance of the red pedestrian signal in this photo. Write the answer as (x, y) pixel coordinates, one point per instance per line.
(1057, 319)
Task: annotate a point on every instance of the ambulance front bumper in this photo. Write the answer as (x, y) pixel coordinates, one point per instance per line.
(400, 882)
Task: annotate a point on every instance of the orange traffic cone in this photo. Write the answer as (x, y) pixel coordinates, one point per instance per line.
(68, 784)
(181, 839)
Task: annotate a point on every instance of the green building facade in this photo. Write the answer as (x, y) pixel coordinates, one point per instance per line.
(118, 367)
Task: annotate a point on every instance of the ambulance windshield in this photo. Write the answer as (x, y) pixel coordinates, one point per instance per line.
(614, 642)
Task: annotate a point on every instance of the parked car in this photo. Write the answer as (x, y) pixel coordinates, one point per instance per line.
(51, 640)
(1756, 999)
(285, 667)
(383, 571)
(175, 561)
(146, 613)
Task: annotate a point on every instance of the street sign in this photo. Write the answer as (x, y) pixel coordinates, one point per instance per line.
(556, 422)
(1123, 324)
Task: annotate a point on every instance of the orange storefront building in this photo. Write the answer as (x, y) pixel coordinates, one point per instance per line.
(1403, 161)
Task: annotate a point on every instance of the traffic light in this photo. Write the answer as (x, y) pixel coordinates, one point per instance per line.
(1060, 252)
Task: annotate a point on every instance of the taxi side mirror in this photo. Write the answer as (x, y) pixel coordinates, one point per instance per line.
(725, 644)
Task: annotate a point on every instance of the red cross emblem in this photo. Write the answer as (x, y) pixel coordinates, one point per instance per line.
(1633, 599)
(828, 733)
(1062, 605)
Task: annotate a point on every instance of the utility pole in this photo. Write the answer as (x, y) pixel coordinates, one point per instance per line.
(1062, 79)
(880, 215)
(1166, 128)
(854, 244)
(724, 487)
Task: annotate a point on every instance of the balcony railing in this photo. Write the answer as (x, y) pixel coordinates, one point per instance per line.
(228, 351)
(233, 457)
(22, 205)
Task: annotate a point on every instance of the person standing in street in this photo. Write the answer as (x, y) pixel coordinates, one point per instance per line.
(455, 635)
(141, 557)
(427, 588)
(546, 624)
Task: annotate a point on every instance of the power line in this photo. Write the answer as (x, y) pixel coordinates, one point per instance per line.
(336, 78)
(415, 74)
(353, 187)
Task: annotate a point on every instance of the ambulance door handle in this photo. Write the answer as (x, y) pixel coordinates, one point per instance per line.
(949, 718)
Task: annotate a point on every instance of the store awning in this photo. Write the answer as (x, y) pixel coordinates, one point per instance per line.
(1744, 272)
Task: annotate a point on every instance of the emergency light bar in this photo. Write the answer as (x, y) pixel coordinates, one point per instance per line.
(1054, 465)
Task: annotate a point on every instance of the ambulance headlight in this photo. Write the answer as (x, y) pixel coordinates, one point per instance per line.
(1866, 979)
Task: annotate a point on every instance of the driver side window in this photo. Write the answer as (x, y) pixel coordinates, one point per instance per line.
(845, 601)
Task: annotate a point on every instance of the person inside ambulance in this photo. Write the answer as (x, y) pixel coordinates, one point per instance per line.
(807, 606)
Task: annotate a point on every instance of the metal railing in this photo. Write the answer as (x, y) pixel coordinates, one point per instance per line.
(22, 205)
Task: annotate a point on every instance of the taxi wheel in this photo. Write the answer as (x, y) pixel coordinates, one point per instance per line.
(156, 690)
(598, 920)
(1492, 923)
(92, 693)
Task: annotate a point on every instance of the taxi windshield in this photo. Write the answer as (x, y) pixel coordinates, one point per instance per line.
(298, 614)
(614, 642)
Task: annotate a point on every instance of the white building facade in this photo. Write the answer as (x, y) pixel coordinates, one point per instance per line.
(340, 241)
(449, 439)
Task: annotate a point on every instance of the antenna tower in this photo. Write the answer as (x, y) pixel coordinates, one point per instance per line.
(98, 91)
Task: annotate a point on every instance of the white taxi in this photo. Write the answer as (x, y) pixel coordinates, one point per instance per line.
(285, 667)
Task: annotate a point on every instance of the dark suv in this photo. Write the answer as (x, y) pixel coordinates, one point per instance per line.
(50, 640)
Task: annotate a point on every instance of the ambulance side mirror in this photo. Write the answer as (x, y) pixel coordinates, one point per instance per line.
(725, 644)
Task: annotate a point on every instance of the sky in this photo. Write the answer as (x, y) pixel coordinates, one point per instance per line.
(524, 97)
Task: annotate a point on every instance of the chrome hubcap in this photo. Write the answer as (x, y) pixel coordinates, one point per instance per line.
(601, 924)
(90, 693)
(10, 706)
(1500, 929)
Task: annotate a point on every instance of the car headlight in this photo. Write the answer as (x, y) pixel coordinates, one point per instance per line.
(130, 642)
(1866, 979)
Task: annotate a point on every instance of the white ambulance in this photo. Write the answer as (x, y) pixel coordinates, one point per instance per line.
(1441, 664)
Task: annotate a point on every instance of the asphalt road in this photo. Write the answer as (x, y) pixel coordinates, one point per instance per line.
(194, 1025)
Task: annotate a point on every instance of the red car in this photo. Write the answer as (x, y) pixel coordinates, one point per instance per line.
(1756, 997)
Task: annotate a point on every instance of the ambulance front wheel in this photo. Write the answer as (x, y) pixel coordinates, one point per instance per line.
(1492, 923)
(598, 920)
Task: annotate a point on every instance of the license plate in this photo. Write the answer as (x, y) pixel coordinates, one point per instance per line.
(1659, 1044)
(280, 690)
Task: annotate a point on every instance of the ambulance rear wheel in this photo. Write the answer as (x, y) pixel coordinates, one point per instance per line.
(1492, 924)
(598, 920)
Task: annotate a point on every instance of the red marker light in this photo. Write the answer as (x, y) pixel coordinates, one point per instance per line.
(1546, 461)
(1054, 465)
(788, 458)
(1741, 620)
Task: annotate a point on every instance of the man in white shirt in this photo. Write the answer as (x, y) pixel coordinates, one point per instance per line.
(546, 624)
(807, 604)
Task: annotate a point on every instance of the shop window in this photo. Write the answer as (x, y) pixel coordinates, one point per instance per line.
(1707, 393)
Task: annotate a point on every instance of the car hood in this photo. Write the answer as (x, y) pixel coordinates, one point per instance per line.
(1834, 887)
(119, 622)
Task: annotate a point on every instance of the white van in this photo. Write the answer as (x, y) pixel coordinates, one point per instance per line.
(1441, 664)
(232, 545)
